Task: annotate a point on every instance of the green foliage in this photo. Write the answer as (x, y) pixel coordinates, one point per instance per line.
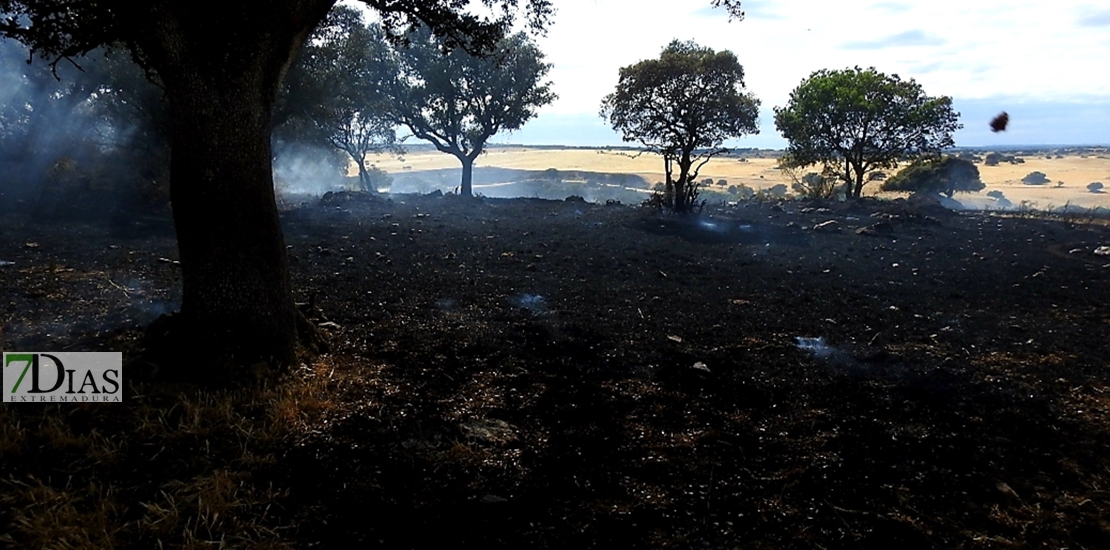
(815, 186)
(683, 106)
(945, 175)
(457, 101)
(857, 120)
(1035, 178)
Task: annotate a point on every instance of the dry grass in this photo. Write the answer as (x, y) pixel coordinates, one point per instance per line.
(759, 173)
(178, 467)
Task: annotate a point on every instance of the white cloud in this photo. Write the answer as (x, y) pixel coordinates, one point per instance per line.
(971, 50)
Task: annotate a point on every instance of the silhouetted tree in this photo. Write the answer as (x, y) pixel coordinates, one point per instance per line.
(937, 175)
(683, 106)
(331, 95)
(859, 120)
(457, 100)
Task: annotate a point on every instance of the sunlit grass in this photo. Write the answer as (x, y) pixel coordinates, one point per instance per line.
(171, 467)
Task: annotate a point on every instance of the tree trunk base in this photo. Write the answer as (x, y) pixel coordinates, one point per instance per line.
(174, 351)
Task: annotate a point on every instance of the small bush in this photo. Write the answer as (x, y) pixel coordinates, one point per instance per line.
(945, 175)
(996, 194)
(777, 191)
(815, 186)
(1095, 187)
(1035, 178)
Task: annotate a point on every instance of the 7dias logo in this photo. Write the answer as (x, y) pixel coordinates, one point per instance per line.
(63, 377)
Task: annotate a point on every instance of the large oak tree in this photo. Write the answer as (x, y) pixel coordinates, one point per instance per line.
(858, 120)
(683, 106)
(458, 100)
(221, 64)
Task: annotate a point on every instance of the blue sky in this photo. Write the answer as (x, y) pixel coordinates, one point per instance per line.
(1047, 64)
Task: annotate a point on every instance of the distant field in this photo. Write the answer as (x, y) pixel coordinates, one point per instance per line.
(1074, 171)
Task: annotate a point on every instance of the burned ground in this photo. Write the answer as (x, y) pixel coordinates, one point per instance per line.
(550, 374)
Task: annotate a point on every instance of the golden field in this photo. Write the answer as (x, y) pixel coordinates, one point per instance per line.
(1074, 171)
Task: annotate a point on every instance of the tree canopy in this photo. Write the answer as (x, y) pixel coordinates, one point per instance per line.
(946, 175)
(857, 120)
(457, 100)
(683, 106)
(331, 93)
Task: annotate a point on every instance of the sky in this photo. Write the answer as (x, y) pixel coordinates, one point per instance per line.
(1045, 63)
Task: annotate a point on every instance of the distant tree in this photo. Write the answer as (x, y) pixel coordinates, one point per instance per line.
(1095, 187)
(857, 120)
(331, 94)
(945, 175)
(1035, 178)
(457, 100)
(683, 106)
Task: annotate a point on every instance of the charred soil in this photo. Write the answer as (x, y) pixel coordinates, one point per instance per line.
(557, 374)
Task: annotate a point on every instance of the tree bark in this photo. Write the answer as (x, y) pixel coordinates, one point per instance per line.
(684, 164)
(236, 296)
(363, 176)
(466, 187)
(221, 71)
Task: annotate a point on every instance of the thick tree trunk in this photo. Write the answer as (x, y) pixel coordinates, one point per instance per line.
(221, 69)
(466, 187)
(236, 299)
(680, 202)
(363, 176)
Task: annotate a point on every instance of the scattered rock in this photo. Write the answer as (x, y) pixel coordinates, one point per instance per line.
(700, 366)
(1005, 489)
(831, 226)
(880, 229)
(489, 430)
(1102, 251)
